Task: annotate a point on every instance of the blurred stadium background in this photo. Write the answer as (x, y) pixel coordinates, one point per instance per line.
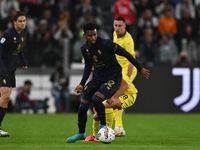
(54, 35)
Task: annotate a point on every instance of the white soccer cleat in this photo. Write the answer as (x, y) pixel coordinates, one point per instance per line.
(119, 132)
(3, 133)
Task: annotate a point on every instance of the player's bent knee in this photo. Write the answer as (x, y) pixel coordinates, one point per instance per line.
(83, 108)
(96, 100)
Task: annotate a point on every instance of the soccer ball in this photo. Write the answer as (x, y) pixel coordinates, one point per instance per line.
(106, 135)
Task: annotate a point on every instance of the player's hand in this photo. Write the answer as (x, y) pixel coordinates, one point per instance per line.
(111, 100)
(25, 67)
(78, 89)
(145, 73)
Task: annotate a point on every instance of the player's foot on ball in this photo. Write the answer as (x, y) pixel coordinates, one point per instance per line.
(119, 132)
(3, 133)
(96, 140)
(89, 138)
(101, 126)
(78, 136)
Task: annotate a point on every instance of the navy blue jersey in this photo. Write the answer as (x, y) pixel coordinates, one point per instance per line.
(10, 49)
(102, 57)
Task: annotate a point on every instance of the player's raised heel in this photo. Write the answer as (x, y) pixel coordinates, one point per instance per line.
(101, 126)
(3, 133)
(78, 136)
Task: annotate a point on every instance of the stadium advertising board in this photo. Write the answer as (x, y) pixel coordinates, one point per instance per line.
(168, 90)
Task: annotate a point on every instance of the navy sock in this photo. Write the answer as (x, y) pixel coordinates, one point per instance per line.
(82, 117)
(100, 108)
(2, 114)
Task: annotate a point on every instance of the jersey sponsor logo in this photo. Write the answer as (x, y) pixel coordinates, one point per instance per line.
(2, 40)
(188, 100)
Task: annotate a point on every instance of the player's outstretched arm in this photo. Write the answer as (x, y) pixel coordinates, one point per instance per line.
(123, 52)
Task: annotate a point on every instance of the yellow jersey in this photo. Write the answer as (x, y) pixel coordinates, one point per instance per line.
(131, 89)
(127, 43)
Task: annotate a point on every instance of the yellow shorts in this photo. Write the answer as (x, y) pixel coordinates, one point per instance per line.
(127, 100)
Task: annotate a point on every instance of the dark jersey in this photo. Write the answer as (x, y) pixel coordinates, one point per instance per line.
(102, 57)
(10, 49)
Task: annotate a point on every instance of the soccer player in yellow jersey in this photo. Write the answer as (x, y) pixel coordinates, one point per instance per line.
(124, 39)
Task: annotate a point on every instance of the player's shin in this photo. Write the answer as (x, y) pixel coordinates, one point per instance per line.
(109, 116)
(2, 114)
(100, 108)
(95, 126)
(82, 117)
(118, 118)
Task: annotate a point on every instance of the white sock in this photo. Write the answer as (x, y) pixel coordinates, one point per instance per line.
(119, 128)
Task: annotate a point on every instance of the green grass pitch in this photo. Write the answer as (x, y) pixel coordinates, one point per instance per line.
(143, 132)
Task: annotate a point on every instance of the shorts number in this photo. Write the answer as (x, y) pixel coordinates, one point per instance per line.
(110, 83)
(125, 97)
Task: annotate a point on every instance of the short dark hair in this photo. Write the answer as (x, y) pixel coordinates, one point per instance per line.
(89, 26)
(120, 19)
(28, 82)
(18, 14)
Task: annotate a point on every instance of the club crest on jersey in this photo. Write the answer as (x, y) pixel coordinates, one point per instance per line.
(2, 40)
(4, 81)
(99, 51)
(95, 58)
(87, 50)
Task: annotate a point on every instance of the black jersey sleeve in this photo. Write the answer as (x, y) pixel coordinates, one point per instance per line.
(22, 58)
(87, 69)
(120, 51)
(4, 40)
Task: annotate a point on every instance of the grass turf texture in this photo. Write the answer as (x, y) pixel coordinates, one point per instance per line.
(143, 132)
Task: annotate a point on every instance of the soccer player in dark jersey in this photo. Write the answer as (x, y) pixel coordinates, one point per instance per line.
(10, 49)
(107, 76)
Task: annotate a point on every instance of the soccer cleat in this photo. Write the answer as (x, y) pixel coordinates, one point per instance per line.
(101, 126)
(96, 140)
(119, 133)
(3, 133)
(78, 136)
(89, 138)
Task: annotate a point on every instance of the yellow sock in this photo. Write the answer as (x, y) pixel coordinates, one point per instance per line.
(95, 127)
(118, 118)
(109, 116)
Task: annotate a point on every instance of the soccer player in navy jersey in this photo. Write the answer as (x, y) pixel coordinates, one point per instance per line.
(10, 50)
(107, 76)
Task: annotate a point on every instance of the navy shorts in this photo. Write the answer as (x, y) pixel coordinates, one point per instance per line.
(8, 81)
(106, 87)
